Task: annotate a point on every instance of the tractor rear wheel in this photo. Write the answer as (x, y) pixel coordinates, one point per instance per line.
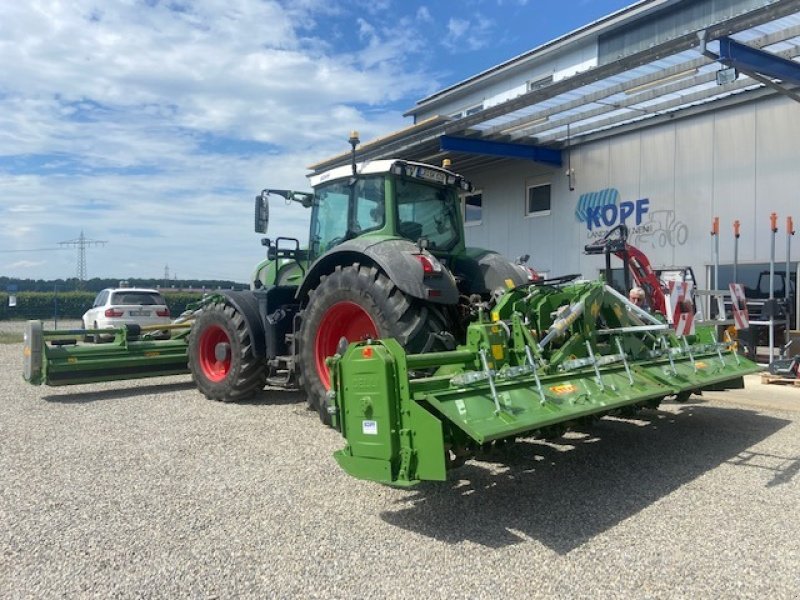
(221, 357)
(358, 302)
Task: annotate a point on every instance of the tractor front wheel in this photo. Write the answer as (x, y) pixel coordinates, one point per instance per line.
(359, 302)
(221, 357)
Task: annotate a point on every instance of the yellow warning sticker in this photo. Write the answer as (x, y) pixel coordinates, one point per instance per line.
(26, 351)
(563, 388)
(700, 365)
(152, 354)
(72, 360)
(497, 351)
(509, 283)
(495, 315)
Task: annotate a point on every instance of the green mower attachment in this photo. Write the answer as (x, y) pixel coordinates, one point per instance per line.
(61, 357)
(543, 358)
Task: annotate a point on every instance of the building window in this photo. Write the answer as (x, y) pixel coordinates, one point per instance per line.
(472, 207)
(535, 84)
(538, 200)
(474, 109)
(467, 112)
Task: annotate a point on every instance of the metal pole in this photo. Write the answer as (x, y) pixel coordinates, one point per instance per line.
(55, 306)
(773, 224)
(735, 251)
(787, 281)
(715, 235)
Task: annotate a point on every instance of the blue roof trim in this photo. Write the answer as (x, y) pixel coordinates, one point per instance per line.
(746, 58)
(539, 154)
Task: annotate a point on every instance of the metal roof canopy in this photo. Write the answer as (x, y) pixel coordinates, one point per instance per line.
(666, 81)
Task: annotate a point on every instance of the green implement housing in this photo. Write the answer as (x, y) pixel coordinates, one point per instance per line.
(543, 358)
(59, 357)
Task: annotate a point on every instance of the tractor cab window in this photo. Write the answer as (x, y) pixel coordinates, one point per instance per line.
(426, 210)
(335, 219)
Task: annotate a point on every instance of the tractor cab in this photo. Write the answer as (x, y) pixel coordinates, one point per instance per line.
(377, 200)
(387, 198)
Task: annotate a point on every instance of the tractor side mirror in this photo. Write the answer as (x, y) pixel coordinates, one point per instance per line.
(262, 212)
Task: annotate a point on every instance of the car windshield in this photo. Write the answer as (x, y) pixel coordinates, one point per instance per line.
(137, 298)
(426, 210)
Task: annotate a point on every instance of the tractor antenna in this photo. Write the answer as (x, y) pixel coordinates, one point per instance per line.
(354, 141)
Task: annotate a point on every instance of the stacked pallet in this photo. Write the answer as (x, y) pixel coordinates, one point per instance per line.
(770, 378)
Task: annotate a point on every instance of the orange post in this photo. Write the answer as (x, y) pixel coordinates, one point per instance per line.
(789, 226)
(773, 222)
(715, 226)
(736, 228)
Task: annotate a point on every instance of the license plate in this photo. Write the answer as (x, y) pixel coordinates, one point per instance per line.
(140, 313)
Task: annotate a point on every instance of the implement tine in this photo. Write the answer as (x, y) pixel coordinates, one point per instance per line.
(528, 354)
(624, 360)
(489, 376)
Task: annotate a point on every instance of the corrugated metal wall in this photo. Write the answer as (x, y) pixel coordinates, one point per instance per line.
(738, 163)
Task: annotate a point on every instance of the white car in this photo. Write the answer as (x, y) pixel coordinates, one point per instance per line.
(126, 306)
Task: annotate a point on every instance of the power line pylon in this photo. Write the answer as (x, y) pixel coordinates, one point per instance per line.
(81, 243)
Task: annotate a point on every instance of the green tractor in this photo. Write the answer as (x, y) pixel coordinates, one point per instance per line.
(386, 258)
(421, 351)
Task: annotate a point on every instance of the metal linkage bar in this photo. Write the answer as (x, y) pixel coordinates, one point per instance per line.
(529, 356)
(633, 329)
(643, 314)
(490, 378)
(596, 368)
(688, 350)
(719, 350)
(668, 348)
(624, 360)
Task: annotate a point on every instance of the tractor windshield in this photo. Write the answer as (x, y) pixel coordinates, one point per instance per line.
(427, 210)
(335, 218)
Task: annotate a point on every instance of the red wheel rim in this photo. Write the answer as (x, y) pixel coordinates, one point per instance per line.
(342, 320)
(213, 368)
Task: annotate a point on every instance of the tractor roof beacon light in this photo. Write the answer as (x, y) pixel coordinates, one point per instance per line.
(354, 141)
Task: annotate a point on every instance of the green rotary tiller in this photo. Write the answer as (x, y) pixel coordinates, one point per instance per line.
(541, 359)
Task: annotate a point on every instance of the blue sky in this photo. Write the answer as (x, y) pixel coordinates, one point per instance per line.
(152, 124)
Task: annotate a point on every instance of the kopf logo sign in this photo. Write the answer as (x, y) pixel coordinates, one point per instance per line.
(604, 209)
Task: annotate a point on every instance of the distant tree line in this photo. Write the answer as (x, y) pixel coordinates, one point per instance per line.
(96, 284)
(71, 305)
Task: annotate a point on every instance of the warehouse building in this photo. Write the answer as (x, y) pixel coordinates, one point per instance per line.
(661, 116)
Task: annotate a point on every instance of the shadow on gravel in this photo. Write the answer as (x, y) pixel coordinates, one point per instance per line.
(783, 468)
(267, 396)
(274, 397)
(565, 493)
(124, 392)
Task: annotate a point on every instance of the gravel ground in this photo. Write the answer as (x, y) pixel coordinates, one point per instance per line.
(146, 489)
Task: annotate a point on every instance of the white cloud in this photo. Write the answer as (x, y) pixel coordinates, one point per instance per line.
(468, 34)
(25, 264)
(126, 120)
(424, 15)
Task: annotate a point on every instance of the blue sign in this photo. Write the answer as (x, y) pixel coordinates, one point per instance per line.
(604, 209)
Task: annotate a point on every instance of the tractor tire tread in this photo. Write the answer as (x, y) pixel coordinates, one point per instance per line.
(411, 321)
(247, 376)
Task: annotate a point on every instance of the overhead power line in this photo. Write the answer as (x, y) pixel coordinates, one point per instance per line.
(30, 250)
